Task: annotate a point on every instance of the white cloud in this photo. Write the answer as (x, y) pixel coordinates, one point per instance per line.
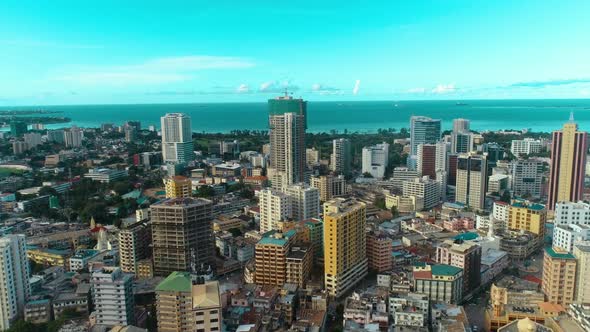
(153, 71)
(357, 85)
(325, 90)
(243, 88)
(267, 85)
(277, 87)
(444, 88)
(416, 90)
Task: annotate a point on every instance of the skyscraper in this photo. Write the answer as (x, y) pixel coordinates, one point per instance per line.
(423, 130)
(582, 254)
(275, 206)
(375, 159)
(345, 257)
(287, 124)
(527, 177)
(134, 242)
(177, 142)
(113, 297)
(426, 159)
(73, 137)
(568, 161)
(14, 280)
(182, 236)
(461, 125)
(471, 180)
(341, 156)
(461, 142)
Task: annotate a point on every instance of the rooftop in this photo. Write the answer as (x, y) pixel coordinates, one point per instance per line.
(446, 270)
(276, 238)
(530, 206)
(206, 295)
(176, 282)
(558, 254)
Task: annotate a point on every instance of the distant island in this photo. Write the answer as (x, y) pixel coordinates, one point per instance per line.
(32, 116)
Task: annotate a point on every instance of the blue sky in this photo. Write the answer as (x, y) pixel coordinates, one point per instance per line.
(75, 52)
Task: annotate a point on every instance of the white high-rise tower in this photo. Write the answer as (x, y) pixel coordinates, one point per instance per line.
(177, 142)
(14, 280)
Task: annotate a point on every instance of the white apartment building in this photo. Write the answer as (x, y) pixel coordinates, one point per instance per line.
(570, 213)
(500, 213)
(567, 236)
(527, 177)
(305, 201)
(525, 146)
(14, 280)
(113, 297)
(341, 158)
(376, 159)
(402, 174)
(582, 253)
(73, 137)
(423, 187)
(177, 141)
(275, 206)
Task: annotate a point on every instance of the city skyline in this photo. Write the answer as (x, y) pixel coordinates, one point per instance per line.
(248, 52)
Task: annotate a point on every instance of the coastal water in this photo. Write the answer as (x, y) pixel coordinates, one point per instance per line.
(366, 116)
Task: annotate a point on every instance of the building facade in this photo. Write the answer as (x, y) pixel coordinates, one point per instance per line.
(439, 282)
(134, 245)
(177, 141)
(14, 281)
(527, 178)
(375, 160)
(464, 255)
(178, 186)
(275, 206)
(559, 276)
(113, 297)
(341, 158)
(471, 180)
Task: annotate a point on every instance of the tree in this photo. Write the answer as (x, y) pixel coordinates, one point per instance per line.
(45, 190)
(235, 232)
(394, 211)
(380, 203)
(205, 191)
(367, 175)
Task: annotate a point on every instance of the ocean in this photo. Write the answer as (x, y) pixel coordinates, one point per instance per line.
(360, 116)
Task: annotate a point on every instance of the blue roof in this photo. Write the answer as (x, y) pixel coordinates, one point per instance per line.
(466, 236)
(43, 301)
(270, 239)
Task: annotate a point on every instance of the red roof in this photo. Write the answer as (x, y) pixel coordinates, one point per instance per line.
(97, 229)
(422, 275)
(532, 278)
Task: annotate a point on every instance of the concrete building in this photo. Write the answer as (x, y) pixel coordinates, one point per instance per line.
(32, 139)
(461, 125)
(568, 162)
(464, 255)
(402, 174)
(287, 124)
(375, 160)
(113, 297)
(56, 136)
(462, 142)
(182, 235)
(525, 146)
(330, 186)
(305, 201)
(19, 147)
(106, 175)
(14, 281)
(299, 264)
(177, 141)
(426, 160)
(341, 158)
(404, 204)
(423, 130)
(439, 282)
(345, 258)
(566, 237)
(73, 137)
(184, 305)
(568, 213)
(178, 186)
(497, 183)
(582, 253)
(423, 187)
(559, 276)
(471, 180)
(38, 311)
(527, 178)
(270, 257)
(379, 249)
(527, 216)
(134, 245)
(275, 207)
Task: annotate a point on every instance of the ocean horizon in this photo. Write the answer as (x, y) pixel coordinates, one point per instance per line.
(538, 115)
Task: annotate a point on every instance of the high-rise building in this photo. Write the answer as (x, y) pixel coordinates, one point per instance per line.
(330, 186)
(56, 136)
(305, 201)
(452, 169)
(270, 257)
(464, 255)
(299, 264)
(582, 254)
(134, 245)
(73, 137)
(375, 159)
(527, 178)
(471, 180)
(527, 216)
(32, 139)
(379, 248)
(312, 157)
(525, 146)
(187, 305)
(568, 162)
(113, 297)
(461, 142)
(341, 158)
(423, 130)
(18, 128)
(275, 206)
(423, 187)
(559, 276)
(287, 123)
(19, 147)
(14, 280)
(177, 141)
(570, 213)
(345, 258)
(402, 174)
(178, 186)
(461, 125)
(182, 235)
(426, 160)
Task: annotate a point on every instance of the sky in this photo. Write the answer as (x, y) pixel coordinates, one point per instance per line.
(109, 52)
